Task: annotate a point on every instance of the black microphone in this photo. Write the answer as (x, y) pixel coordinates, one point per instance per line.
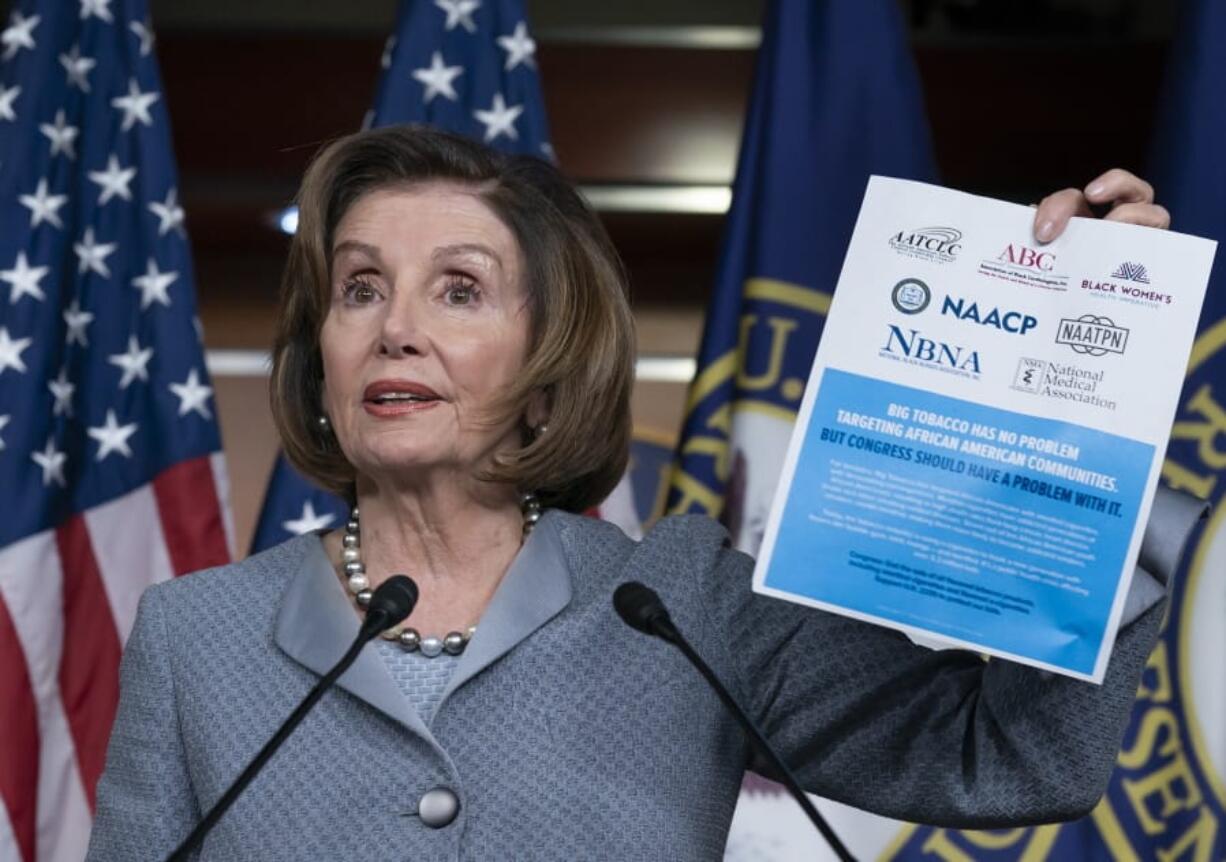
(392, 602)
(640, 608)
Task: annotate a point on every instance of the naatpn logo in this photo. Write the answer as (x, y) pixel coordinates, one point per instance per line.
(1092, 335)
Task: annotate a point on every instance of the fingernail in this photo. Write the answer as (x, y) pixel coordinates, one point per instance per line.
(1094, 190)
(1045, 231)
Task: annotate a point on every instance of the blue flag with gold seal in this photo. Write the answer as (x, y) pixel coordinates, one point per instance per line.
(836, 98)
(1167, 797)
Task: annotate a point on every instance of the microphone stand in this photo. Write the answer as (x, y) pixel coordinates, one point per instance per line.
(641, 609)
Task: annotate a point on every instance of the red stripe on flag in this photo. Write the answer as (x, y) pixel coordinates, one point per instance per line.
(18, 738)
(89, 664)
(191, 516)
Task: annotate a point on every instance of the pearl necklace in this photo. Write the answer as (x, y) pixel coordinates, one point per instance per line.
(453, 643)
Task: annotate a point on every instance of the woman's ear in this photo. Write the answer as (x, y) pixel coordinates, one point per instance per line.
(537, 412)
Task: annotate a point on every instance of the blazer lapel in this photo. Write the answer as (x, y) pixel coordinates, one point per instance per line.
(534, 590)
(316, 624)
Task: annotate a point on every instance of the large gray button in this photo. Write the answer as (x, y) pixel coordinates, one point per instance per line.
(438, 807)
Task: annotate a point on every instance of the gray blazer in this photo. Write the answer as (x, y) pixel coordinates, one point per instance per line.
(564, 734)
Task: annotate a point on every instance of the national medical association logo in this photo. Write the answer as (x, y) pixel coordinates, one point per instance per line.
(1092, 335)
(1062, 381)
(911, 296)
(934, 244)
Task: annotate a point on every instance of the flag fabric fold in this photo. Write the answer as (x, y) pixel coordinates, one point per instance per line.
(835, 99)
(111, 475)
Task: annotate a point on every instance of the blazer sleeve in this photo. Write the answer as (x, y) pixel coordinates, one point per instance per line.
(145, 804)
(866, 717)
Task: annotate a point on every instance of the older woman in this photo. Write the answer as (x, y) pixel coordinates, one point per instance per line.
(455, 355)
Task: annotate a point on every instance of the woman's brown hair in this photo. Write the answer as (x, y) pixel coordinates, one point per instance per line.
(581, 344)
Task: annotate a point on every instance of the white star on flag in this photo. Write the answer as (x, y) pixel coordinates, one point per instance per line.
(438, 77)
(459, 12)
(145, 33)
(135, 106)
(4, 420)
(499, 119)
(170, 214)
(18, 35)
(61, 136)
(77, 320)
(24, 279)
(153, 285)
(519, 46)
(52, 462)
(133, 362)
(43, 207)
(7, 97)
(10, 352)
(78, 68)
(112, 437)
(309, 521)
(192, 395)
(113, 181)
(92, 255)
(96, 9)
(388, 47)
(61, 390)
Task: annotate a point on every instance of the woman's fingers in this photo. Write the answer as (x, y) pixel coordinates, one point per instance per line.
(1130, 197)
(1118, 186)
(1054, 212)
(1149, 215)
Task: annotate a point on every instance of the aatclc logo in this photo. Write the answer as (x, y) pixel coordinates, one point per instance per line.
(1131, 272)
(918, 350)
(938, 244)
(1092, 335)
(910, 296)
(1021, 255)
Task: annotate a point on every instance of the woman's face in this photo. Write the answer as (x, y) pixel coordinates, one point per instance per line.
(428, 324)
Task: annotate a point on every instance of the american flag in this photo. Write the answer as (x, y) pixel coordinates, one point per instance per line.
(467, 66)
(111, 477)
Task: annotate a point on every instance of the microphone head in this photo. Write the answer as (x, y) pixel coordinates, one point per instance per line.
(394, 600)
(640, 608)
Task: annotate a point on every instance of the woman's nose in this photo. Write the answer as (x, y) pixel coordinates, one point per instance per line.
(401, 334)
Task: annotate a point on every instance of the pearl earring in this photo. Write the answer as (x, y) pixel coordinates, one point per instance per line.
(325, 426)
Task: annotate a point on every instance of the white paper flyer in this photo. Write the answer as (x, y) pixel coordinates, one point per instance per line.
(982, 432)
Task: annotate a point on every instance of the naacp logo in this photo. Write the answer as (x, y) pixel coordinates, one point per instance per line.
(911, 296)
(1091, 335)
(935, 244)
(1006, 321)
(1131, 272)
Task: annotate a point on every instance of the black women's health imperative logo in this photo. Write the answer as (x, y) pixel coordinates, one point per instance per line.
(911, 296)
(1092, 335)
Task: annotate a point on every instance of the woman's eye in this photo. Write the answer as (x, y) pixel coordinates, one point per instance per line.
(360, 292)
(461, 293)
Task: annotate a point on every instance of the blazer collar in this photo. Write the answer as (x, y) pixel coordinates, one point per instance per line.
(316, 621)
